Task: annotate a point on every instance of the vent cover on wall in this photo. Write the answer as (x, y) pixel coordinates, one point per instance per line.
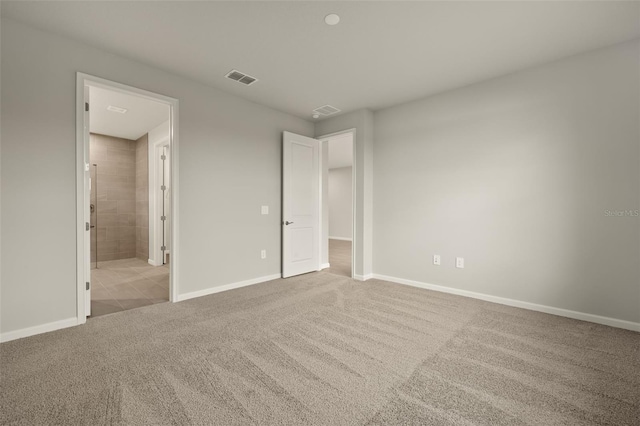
(326, 110)
(241, 77)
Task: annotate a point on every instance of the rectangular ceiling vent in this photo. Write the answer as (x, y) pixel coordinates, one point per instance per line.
(241, 77)
(326, 110)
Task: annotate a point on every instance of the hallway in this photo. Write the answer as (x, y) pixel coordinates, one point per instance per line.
(340, 257)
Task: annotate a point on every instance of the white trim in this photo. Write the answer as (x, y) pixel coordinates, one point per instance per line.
(155, 226)
(219, 289)
(83, 80)
(38, 329)
(340, 238)
(81, 318)
(325, 266)
(354, 203)
(153, 263)
(362, 277)
(612, 322)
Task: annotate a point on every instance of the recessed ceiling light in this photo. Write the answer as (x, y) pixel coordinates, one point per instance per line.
(316, 115)
(116, 109)
(332, 19)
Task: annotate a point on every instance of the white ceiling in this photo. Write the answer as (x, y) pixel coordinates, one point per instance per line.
(382, 53)
(341, 151)
(142, 114)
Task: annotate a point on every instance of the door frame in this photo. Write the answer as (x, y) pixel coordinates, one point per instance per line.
(83, 270)
(155, 254)
(354, 243)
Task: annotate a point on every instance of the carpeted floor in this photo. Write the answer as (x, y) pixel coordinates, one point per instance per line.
(320, 349)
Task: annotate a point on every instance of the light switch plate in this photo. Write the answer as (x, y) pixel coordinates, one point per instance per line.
(436, 259)
(263, 254)
(460, 262)
(265, 210)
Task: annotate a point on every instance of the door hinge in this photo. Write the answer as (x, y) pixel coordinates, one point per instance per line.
(163, 157)
(163, 218)
(86, 106)
(87, 226)
(163, 248)
(163, 188)
(88, 286)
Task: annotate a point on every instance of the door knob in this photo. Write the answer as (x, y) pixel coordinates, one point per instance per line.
(288, 223)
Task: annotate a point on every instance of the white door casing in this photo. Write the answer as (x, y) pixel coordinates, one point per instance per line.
(83, 256)
(300, 204)
(166, 202)
(86, 207)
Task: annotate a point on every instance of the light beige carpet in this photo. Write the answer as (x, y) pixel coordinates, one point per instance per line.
(324, 350)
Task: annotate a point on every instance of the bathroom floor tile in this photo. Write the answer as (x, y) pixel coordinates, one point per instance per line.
(124, 284)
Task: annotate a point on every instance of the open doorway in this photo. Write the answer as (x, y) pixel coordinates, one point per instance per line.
(119, 143)
(125, 198)
(340, 196)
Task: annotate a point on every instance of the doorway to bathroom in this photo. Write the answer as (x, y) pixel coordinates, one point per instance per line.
(128, 147)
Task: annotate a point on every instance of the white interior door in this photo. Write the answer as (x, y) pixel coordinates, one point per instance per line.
(87, 202)
(300, 204)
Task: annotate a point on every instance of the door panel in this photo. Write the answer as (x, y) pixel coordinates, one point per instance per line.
(300, 205)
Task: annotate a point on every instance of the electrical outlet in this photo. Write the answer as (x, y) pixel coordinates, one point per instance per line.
(460, 262)
(436, 259)
(263, 254)
(264, 210)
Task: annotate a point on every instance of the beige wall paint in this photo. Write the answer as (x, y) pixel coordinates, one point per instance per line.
(516, 175)
(230, 165)
(142, 198)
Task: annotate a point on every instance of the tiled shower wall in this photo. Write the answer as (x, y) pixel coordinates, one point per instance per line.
(142, 198)
(113, 195)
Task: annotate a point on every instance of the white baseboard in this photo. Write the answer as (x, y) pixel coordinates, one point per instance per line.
(341, 238)
(38, 329)
(362, 277)
(325, 266)
(613, 322)
(153, 263)
(219, 289)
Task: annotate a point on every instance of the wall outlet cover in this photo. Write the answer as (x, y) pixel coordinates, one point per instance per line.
(263, 254)
(436, 259)
(265, 210)
(460, 262)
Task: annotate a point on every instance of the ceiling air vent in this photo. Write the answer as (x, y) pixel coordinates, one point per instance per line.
(241, 77)
(326, 110)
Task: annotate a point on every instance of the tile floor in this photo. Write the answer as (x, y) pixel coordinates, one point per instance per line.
(124, 284)
(340, 257)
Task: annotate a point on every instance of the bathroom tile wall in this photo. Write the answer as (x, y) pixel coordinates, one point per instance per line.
(114, 197)
(142, 198)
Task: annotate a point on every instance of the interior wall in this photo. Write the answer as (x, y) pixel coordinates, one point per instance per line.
(362, 122)
(142, 198)
(340, 203)
(113, 196)
(521, 176)
(230, 154)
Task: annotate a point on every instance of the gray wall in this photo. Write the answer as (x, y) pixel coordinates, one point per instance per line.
(230, 165)
(515, 175)
(362, 121)
(340, 203)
